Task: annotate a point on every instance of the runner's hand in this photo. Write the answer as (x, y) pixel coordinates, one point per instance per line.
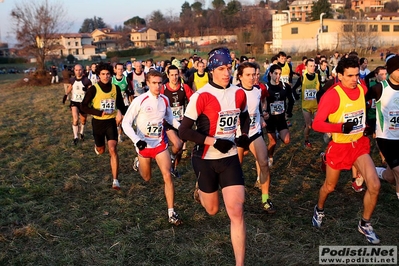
(141, 145)
(223, 145)
(347, 127)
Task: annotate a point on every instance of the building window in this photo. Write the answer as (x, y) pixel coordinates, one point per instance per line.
(361, 28)
(77, 51)
(76, 44)
(348, 27)
(294, 30)
(69, 43)
(373, 28)
(395, 27)
(385, 28)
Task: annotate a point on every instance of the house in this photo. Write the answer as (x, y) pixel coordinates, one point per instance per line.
(332, 34)
(106, 39)
(64, 44)
(143, 37)
(368, 5)
(300, 10)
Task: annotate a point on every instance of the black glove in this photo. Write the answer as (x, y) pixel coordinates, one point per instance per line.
(141, 145)
(64, 99)
(84, 88)
(223, 145)
(243, 141)
(347, 127)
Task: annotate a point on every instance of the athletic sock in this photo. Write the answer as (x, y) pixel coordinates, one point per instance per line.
(75, 130)
(265, 197)
(171, 211)
(364, 221)
(82, 129)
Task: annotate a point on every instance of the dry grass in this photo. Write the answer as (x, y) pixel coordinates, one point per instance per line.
(58, 208)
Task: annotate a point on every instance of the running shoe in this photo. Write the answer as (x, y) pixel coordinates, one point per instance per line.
(136, 164)
(380, 170)
(175, 220)
(289, 124)
(174, 172)
(115, 184)
(357, 184)
(307, 144)
(368, 231)
(75, 141)
(317, 218)
(268, 206)
(82, 137)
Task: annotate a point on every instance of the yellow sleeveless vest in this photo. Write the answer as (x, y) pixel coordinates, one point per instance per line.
(309, 90)
(105, 102)
(349, 111)
(200, 81)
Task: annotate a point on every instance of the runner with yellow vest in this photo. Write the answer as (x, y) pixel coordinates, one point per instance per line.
(286, 69)
(199, 78)
(310, 85)
(104, 101)
(344, 107)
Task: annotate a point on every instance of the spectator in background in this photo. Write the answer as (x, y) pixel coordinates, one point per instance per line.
(66, 75)
(54, 74)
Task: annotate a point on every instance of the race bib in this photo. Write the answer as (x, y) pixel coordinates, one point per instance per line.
(107, 105)
(277, 108)
(358, 118)
(310, 94)
(154, 130)
(78, 97)
(373, 104)
(227, 122)
(252, 119)
(393, 120)
(178, 112)
(125, 98)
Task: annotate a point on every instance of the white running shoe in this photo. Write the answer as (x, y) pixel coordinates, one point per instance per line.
(380, 170)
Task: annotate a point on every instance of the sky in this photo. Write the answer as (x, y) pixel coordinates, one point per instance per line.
(113, 13)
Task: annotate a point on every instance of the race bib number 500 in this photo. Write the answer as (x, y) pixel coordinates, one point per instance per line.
(227, 122)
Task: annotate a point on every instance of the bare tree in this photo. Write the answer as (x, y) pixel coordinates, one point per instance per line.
(36, 25)
(358, 34)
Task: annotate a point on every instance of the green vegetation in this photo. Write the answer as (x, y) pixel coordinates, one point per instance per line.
(58, 208)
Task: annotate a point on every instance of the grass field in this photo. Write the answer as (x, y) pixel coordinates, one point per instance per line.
(57, 206)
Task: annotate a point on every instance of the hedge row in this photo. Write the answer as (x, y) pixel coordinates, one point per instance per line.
(12, 60)
(129, 53)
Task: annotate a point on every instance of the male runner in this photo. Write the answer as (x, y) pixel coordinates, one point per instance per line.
(148, 111)
(217, 108)
(78, 86)
(104, 101)
(342, 112)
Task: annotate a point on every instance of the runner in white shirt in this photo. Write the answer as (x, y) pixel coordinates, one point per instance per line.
(256, 144)
(148, 112)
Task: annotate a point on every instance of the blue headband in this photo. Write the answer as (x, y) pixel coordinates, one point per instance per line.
(219, 57)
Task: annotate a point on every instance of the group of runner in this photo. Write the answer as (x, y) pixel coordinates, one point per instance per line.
(159, 105)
